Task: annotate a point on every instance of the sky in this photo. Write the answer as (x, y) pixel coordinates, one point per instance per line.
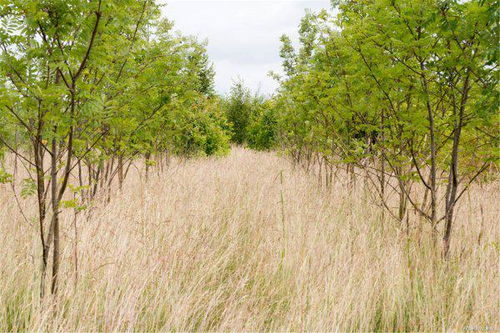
(243, 36)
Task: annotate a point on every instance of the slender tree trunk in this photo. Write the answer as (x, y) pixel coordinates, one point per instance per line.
(147, 156)
(120, 171)
(80, 174)
(382, 162)
(55, 217)
(402, 203)
(97, 177)
(452, 188)
(433, 183)
(39, 165)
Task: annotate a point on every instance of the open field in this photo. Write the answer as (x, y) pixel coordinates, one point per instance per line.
(228, 244)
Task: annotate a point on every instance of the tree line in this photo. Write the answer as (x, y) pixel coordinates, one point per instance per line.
(86, 87)
(403, 92)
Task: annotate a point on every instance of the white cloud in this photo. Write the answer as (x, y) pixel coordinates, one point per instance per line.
(243, 36)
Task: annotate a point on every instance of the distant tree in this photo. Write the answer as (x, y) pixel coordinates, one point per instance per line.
(239, 106)
(262, 127)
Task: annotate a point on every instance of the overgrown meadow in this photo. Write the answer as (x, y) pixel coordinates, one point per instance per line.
(360, 196)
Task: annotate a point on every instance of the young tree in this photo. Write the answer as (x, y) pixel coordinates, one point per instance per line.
(238, 107)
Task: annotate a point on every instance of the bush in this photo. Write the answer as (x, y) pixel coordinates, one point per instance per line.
(200, 129)
(262, 126)
(239, 106)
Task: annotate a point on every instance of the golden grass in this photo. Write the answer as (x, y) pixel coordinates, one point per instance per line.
(204, 247)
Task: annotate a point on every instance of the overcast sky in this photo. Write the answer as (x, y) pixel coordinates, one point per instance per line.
(243, 36)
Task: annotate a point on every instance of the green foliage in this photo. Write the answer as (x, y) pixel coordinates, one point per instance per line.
(199, 128)
(252, 118)
(410, 87)
(5, 177)
(239, 106)
(73, 204)
(262, 127)
(28, 188)
(111, 73)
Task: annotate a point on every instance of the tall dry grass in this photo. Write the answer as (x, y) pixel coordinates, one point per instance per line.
(227, 244)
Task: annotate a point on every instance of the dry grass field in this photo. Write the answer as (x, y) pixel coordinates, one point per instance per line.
(226, 244)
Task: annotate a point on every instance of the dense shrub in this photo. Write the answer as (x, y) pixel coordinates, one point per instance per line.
(262, 127)
(199, 129)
